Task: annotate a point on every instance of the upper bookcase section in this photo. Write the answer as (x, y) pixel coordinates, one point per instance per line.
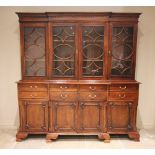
(77, 16)
(82, 45)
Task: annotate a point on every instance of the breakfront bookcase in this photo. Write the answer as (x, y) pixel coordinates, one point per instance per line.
(78, 74)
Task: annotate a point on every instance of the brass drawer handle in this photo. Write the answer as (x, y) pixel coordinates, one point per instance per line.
(92, 96)
(34, 86)
(122, 87)
(92, 88)
(33, 95)
(63, 96)
(122, 96)
(61, 87)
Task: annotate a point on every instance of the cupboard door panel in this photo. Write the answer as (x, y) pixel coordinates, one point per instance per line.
(34, 38)
(92, 51)
(64, 50)
(35, 115)
(64, 116)
(122, 51)
(91, 116)
(121, 116)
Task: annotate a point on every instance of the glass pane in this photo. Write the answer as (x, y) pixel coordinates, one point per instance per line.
(34, 47)
(64, 51)
(122, 51)
(93, 43)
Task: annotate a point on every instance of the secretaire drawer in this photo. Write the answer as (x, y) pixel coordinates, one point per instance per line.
(123, 96)
(93, 87)
(33, 94)
(124, 87)
(63, 87)
(63, 96)
(33, 87)
(84, 96)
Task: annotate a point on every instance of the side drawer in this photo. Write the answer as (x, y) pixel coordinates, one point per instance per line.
(31, 95)
(63, 96)
(63, 87)
(123, 96)
(124, 87)
(32, 87)
(93, 88)
(87, 96)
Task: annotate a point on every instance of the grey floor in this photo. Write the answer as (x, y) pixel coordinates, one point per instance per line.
(7, 141)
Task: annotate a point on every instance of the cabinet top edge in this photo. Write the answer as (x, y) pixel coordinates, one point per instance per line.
(60, 14)
(107, 82)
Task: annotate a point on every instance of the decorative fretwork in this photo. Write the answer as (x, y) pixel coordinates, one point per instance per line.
(122, 51)
(34, 47)
(63, 51)
(93, 43)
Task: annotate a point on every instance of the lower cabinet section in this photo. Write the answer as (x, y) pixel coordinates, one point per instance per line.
(77, 116)
(34, 115)
(71, 110)
(121, 116)
(91, 116)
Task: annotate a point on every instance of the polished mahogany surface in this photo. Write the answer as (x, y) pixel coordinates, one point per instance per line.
(78, 74)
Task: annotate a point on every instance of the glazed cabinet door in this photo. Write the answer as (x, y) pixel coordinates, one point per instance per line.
(91, 116)
(64, 116)
(121, 116)
(34, 115)
(122, 50)
(34, 50)
(92, 52)
(63, 55)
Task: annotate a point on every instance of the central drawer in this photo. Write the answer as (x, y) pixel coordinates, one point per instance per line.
(31, 95)
(63, 96)
(87, 96)
(33, 87)
(63, 87)
(92, 87)
(124, 87)
(123, 96)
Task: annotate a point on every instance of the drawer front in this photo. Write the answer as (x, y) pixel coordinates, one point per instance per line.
(32, 95)
(63, 96)
(124, 87)
(93, 88)
(33, 87)
(87, 96)
(122, 96)
(63, 87)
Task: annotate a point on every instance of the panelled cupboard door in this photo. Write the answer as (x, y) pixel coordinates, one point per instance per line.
(92, 51)
(91, 116)
(122, 50)
(64, 50)
(34, 50)
(121, 116)
(64, 116)
(34, 115)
